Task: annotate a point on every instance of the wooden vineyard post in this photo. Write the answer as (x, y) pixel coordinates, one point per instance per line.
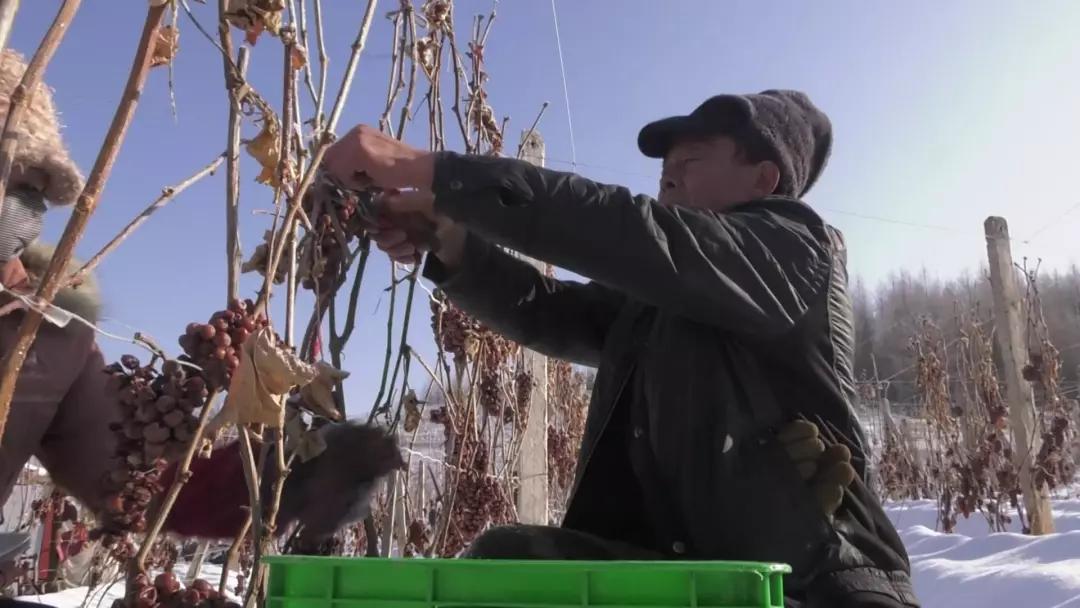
(1009, 325)
(532, 502)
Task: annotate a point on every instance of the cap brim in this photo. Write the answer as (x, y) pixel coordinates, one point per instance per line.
(656, 138)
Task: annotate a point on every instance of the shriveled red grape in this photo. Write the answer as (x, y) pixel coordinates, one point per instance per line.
(166, 583)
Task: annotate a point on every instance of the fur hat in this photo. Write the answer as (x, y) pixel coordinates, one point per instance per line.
(40, 145)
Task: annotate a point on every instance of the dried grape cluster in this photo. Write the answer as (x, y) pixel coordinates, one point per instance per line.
(523, 386)
(325, 250)
(418, 538)
(900, 473)
(479, 500)
(561, 460)
(455, 332)
(159, 409)
(988, 481)
(568, 401)
(158, 422)
(463, 337)
(215, 346)
(1054, 465)
(166, 592)
(495, 356)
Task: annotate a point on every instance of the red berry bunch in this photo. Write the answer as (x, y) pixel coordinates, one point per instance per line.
(215, 346)
(159, 409)
(158, 422)
(334, 227)
(167, 592)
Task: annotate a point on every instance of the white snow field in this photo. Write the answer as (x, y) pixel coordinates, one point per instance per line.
(974, 568)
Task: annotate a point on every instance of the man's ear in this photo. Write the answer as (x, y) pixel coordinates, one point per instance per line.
(768, 178)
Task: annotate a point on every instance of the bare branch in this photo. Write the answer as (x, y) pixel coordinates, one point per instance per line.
(323, 144)
(532, 129)
(324, 63)
(397, 52)
(406, 110)
(350, 67)
(183, 473)
(233, 82)
(167, 195)
(285, 172)
(234, 551)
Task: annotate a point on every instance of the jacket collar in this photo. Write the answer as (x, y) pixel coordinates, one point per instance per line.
(23, 275)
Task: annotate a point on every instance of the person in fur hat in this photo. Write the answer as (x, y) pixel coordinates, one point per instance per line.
(61, 412)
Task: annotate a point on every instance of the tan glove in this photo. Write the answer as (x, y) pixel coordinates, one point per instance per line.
(827, 470)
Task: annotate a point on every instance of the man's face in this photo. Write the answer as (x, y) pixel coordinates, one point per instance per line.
(711, 173)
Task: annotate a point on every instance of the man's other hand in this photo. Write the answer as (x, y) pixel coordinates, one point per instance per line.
(406, 225)
(827, 470)
(365, 156)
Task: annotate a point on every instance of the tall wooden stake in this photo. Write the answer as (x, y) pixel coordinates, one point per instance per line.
(532, 464)
(1009, 322)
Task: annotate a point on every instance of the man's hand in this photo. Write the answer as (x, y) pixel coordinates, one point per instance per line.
(366, 157)
(393, 234)
(827, 470)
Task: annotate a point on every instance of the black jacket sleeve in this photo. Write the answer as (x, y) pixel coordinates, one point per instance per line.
(565, 320)
(755, 269)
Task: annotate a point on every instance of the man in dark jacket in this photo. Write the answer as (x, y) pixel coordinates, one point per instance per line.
(717, 315)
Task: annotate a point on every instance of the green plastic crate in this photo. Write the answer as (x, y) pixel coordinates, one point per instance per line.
(322, 582)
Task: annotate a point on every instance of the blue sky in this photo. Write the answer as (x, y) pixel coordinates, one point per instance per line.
(944, 113)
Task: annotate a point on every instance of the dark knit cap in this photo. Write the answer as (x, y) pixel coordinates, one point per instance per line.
(783, 126)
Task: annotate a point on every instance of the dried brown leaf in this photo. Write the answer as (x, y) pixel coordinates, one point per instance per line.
(279, 368)
(251, 35)
(266, 149)
(318, 395)
(411, 406)
(260, 258)
(299, 57)
(255, 16)
(267, 372)
(166, 46)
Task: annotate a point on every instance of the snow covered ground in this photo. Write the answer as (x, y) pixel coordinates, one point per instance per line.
(972, 567)
(967, 569)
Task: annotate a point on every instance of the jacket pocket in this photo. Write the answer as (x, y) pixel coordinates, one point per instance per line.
(771, 515)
